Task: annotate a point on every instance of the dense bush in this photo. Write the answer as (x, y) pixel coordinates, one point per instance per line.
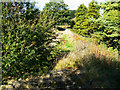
(25, 40)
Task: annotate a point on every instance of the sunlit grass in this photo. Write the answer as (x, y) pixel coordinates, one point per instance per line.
(83, 47)
(100, 62)
(66, 44)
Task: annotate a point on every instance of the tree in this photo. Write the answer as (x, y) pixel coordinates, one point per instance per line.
(80, 13)
(109, 25)
(79, 17)
(89, 26)
(93, 10)
(85, 26)
(59, 10)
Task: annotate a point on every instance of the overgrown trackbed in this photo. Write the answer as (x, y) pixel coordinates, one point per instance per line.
(69, 72)
(62, 78)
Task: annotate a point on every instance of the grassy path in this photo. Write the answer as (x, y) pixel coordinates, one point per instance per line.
(83, 48)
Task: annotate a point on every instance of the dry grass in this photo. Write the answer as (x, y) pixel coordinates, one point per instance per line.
(101, 63)
(84, 48)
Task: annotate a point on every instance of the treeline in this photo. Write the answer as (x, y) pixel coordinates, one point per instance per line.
(104, 28)
(60, 12)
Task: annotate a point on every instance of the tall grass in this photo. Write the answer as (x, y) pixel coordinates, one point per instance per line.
(101, 64)
(84, 47)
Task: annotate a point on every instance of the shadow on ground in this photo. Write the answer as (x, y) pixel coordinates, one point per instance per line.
(61, 29)
(103, 73)
(95, 73)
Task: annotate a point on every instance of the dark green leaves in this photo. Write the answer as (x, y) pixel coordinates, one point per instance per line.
(24, 38)
(58, 11)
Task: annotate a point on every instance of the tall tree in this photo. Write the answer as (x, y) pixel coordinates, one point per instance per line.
(80, 13)
(84, 24)
(89, 26)
(93, 10)
(79, 18)
(109, 24)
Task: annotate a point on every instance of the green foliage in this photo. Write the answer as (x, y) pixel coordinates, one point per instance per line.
(109, 25)
(89, 26)
(72, 13)
(80, 13)
(84, 19)
(72, 23)
(25, 40)
(60, 11)
(93, 10)
(79, 17)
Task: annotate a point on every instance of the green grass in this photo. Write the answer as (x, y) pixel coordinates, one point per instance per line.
(66, 44)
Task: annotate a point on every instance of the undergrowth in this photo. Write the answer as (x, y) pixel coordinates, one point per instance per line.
(102, 64)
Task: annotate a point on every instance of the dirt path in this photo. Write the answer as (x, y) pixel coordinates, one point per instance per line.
(65, 32)
(60, 34)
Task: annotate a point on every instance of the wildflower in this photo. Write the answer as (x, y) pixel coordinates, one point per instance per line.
(64, 42)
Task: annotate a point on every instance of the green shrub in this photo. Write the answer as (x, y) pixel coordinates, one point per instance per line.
(72, 23)
(25, 40)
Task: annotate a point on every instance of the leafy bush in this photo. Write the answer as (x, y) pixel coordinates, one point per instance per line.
(25, 40)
